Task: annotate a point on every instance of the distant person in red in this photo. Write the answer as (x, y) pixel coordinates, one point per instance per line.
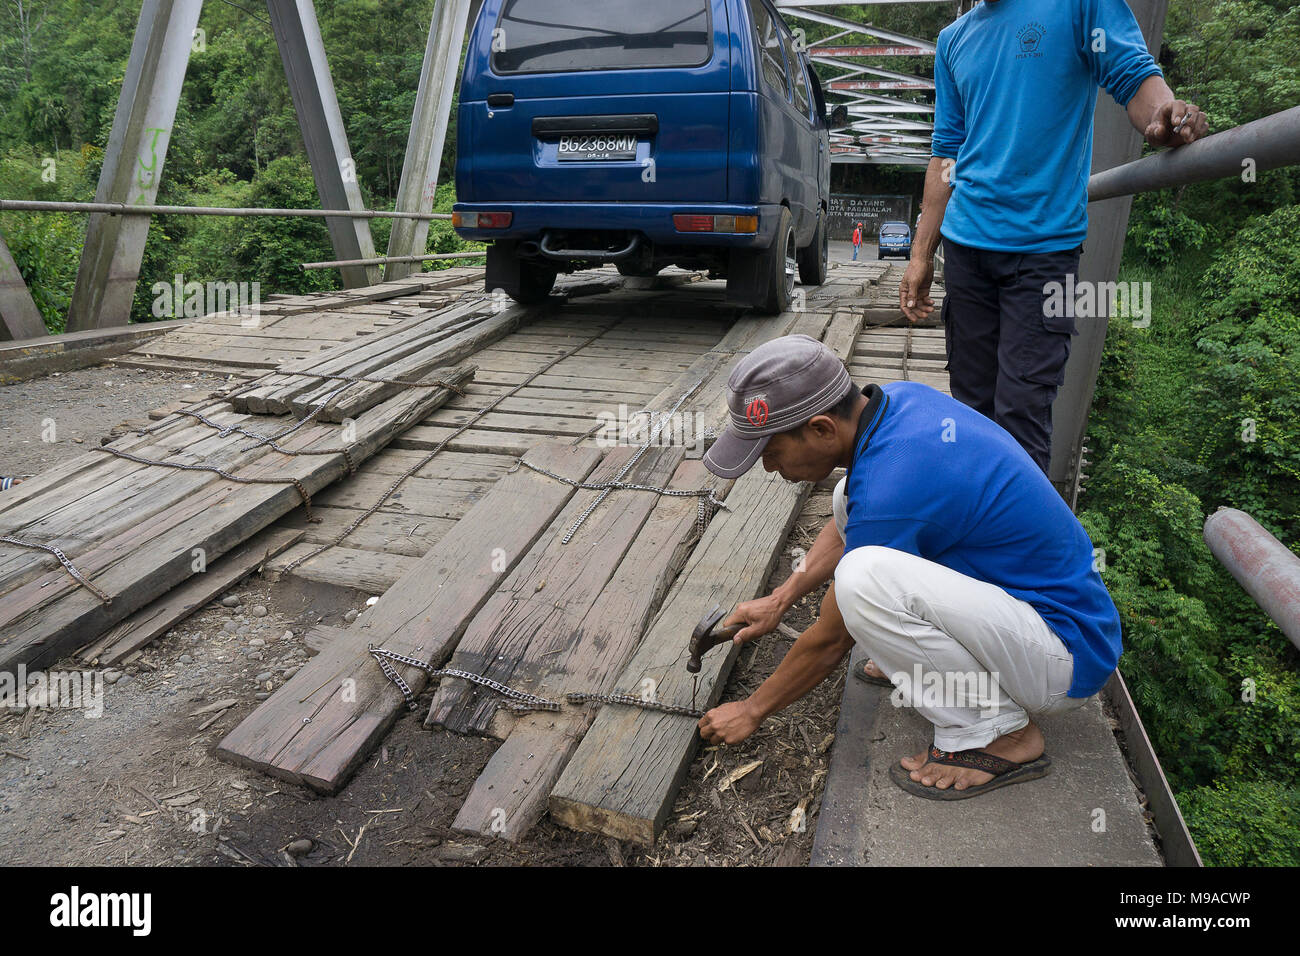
(857, 240)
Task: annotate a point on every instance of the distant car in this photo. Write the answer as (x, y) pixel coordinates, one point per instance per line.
(895, 240)
(688, 132)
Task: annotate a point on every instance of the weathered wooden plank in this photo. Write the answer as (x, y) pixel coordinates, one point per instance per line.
(510, 794)
(42, 618)
(275, 395)
(151, 622)
(395, 533)
(349, 702)
(536, 614)
(371, 571)
(445, 351)
(622, 777)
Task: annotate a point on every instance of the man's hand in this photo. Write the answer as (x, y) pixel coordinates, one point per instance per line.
(914, 289)
(1175, 123)
(729, 723)
(761, 614)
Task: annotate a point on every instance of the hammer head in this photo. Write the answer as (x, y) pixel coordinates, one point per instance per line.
(705, 637)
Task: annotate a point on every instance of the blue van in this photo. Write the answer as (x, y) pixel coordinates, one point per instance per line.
(895, 239)
(644, 134)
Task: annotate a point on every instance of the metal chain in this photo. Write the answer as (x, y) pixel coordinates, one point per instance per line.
(270, 440)
(67, 566)
(706, 495)
(302, 490)
(617, 482)
(383, 656)
(626, 700)
(522, 702)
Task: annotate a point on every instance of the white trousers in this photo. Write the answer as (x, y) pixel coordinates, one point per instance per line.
(972, 659)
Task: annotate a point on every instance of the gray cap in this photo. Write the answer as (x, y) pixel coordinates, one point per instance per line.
(775, 388)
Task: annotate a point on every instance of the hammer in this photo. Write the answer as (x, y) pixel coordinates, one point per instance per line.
(705, 637)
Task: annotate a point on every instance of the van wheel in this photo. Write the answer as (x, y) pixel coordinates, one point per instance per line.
(781, 264)
(812, 260)
(528, 283)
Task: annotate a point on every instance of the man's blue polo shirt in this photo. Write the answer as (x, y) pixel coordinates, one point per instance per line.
(1015, 87)
(937, 479)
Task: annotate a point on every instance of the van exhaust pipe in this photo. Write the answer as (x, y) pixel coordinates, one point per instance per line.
(594, 255)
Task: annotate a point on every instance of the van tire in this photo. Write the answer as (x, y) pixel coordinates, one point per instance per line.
(780, 262)
(528, 283)
(812, 260)
(757, 278)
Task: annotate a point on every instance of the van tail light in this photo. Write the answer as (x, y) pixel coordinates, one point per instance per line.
(733, 224)
(693, 223)
(482, 220)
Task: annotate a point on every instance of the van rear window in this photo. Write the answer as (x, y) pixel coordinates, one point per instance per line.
(554, 36)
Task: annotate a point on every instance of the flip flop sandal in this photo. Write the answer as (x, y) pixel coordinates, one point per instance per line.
(1005, 773)
(860, 672)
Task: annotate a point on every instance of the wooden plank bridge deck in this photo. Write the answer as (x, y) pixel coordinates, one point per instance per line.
(547, 383)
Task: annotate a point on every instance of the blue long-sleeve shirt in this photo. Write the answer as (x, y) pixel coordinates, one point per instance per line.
(1015, 88)
(937, 479)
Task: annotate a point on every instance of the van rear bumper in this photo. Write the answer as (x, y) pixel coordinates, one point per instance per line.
(653, 220)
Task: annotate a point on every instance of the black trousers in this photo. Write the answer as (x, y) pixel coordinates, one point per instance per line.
(1006, 355)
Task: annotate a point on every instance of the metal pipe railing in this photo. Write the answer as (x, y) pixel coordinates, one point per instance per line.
(381, 260)
(1263, 565)
(126, 209)
(1267, 143)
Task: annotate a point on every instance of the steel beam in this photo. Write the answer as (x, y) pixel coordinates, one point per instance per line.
(133, 163)
(820, 52)
(915, 84)
(429, 121)
(792, 8)
(19, 317)
(1263, 565)
(1257, 146)
(1115, 142)
(302, 52)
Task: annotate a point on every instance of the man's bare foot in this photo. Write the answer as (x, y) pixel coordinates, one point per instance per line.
(871, 670)
(1019, 746)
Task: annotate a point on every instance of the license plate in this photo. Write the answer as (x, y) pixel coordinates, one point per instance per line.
(595, 148)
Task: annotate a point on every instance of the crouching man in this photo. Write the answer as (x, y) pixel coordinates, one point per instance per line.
(956, 567)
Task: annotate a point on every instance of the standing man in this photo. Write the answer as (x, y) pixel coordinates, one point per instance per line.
(956, 565)
(857, 240)
(1015, 88)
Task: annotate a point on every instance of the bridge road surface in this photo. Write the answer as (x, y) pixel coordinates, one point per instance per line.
(1085, 813)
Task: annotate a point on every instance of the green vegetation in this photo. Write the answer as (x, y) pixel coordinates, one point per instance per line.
(1198, 411)
(235, 141)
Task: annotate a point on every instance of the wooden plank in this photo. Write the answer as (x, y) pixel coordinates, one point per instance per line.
(336, 406)
(510, 795)
(51, 614)
(371, 571)
(151, 622)
(349, 703)
(623, 776)
(428, 497)
(394, 533)
(475, 440)
(536, 613)
(276, 394)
